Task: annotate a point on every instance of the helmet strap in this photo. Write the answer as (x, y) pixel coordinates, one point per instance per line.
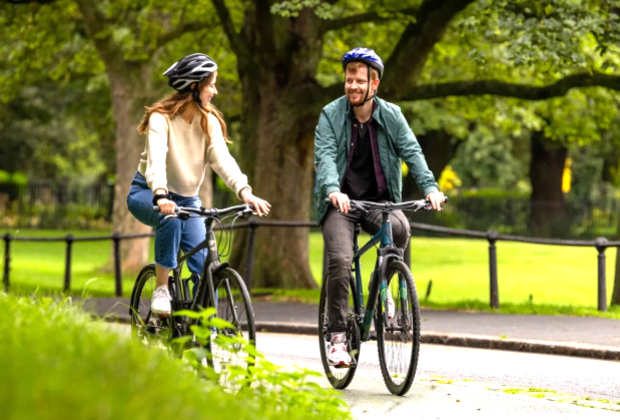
(366, 98)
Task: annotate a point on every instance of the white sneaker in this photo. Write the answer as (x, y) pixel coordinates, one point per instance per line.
(160, 304)
(337, 354)
(391, 306)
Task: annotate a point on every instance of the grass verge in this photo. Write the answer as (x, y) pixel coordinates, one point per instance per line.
(61, 364)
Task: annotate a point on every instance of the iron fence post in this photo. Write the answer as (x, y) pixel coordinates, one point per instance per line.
(69, 239)
(249, 261)
(118, 279)
(492, 238)
(7, 261)
(601, 247)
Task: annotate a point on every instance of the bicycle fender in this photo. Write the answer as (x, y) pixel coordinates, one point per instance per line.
(219, 268)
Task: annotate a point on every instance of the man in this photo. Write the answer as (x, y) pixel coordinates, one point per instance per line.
(359, 143)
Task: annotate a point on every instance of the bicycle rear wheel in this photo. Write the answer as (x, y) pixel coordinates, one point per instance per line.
(398, 340)
(339, 378)
(234, 306)
(148, 328)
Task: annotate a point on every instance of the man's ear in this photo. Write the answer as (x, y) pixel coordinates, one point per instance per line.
(376, 83)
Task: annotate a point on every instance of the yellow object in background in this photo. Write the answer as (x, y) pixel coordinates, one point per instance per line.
(567, 176)
(449, 180)
(405, 168)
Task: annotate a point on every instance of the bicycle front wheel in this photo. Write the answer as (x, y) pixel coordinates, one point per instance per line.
(398, 339)
(234, 306)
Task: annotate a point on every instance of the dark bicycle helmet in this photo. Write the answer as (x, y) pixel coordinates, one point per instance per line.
(190, 69)
(364, 55)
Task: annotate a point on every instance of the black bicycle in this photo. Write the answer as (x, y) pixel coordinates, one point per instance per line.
(219, 287)
(398, 336)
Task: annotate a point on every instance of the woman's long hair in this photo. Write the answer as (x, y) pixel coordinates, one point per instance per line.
(176, 103)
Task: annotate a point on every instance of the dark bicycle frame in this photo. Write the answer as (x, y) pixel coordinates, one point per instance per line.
(205, 292)
(386, 252)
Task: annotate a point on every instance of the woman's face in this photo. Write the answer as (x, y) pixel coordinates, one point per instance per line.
(208, 90)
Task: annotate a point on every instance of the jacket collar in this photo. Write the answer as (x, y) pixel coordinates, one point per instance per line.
(376, 113)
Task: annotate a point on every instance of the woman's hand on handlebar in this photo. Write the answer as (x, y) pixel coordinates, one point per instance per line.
(261, 207)
(166, 206)
(340, 201)
(436, 198)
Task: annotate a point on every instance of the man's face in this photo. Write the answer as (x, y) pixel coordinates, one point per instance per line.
(356, 85)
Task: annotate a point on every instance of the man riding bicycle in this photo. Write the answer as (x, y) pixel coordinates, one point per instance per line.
(359, 144)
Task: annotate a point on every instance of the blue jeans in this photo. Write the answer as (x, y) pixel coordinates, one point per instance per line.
(170, 233)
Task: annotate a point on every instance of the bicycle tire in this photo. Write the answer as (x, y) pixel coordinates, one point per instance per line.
(402, 331)
(339, 378)
(144, 326)
(233, 305)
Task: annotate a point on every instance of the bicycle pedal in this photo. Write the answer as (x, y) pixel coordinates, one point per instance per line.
(349, 366)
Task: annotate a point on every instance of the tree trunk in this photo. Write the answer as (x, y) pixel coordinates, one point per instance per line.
(547, 206)
(283, 176)
(439, 148)
(278, 122)
(128, 101)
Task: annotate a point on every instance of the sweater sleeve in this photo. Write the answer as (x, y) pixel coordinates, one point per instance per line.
(222, 162)
(157, 149)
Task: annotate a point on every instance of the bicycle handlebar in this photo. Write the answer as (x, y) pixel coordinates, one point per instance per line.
(187, 212)
(414, 205)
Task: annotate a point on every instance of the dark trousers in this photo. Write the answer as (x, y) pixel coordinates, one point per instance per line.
(338, 231)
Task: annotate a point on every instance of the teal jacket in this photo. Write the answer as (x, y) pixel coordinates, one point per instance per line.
(332, 141)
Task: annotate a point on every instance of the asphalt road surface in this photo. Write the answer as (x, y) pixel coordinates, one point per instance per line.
(454, 382)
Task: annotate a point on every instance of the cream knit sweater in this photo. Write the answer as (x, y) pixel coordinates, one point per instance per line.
(176, 155)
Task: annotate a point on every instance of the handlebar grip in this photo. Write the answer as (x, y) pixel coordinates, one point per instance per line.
(445, 200)
(328, 201)
(156, 209)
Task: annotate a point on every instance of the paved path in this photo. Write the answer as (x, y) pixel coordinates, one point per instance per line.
(592, 337)
(454, 382)
(457, 382)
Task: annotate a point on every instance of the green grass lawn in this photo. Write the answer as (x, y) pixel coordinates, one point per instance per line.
(553, 275)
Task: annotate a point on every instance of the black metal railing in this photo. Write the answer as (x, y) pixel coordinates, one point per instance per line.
(600, 244)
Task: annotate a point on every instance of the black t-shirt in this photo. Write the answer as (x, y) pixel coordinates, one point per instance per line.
(360, 181)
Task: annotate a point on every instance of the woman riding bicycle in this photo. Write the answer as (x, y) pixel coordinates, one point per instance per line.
(184, 133)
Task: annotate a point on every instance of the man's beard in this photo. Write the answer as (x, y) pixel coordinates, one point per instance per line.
(360, 101)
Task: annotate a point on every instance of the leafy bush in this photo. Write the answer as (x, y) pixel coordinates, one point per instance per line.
(61, 364)
(289, 391)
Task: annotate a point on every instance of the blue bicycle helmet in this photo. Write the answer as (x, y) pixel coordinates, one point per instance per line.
(364, 55)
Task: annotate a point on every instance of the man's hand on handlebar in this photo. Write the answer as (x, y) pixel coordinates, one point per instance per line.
(436, 198)
(340, 201)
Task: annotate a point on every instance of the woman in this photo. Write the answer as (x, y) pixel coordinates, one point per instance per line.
(184, 133)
